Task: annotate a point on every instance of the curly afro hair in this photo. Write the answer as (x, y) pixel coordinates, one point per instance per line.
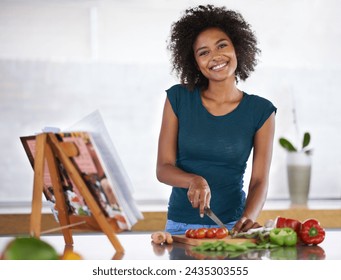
(185, 31)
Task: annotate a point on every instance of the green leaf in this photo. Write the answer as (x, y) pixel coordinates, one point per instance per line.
(287, 145)
(306, 140)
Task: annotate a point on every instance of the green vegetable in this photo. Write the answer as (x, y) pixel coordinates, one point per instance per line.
(283, 236)
(29, 248)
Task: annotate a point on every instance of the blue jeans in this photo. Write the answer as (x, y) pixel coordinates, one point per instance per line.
(180, 228)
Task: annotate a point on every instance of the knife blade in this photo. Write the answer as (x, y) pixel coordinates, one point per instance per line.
(213, 217)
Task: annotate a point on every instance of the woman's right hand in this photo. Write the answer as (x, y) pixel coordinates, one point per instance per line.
(199, 194)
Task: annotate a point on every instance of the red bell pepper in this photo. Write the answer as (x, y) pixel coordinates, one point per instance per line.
(311, 232)
(288, 223)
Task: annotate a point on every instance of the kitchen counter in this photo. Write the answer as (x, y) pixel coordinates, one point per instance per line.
(138, 246)
(15, 217)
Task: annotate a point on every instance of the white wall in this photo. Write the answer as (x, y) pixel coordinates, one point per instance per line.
(60, 60)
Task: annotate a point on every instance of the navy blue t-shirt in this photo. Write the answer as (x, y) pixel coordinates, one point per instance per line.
(216, 148)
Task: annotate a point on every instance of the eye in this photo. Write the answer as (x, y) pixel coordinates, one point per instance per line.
(202, 53)
(222, 45)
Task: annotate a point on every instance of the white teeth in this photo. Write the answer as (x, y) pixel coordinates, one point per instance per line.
(217, 67)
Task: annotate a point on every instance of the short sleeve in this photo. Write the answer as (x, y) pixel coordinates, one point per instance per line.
(263, 110)
(173, 97)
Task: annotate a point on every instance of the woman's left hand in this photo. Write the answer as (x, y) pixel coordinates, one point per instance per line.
(244, 224)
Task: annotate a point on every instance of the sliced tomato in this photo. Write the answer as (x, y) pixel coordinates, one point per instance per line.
(221, 233)
(190, 233)
(210, 233)
(200, 233)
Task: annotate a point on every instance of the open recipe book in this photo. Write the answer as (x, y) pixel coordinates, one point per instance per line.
(99, 166)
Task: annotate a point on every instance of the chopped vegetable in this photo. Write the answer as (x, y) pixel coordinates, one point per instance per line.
(311, 232)
(200, 233)
(210, 233)
(190, 233)
(221, 233)
(283, 236)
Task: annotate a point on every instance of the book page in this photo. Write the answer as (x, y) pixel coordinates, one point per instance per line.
(95, 177)
(99, 166)
(74, 200)
(122, 187)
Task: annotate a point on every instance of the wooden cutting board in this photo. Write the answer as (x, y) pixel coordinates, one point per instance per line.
(196, 242)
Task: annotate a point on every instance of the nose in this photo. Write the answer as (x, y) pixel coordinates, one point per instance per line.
(216, 56)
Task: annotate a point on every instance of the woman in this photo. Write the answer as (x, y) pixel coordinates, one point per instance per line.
(210, 126)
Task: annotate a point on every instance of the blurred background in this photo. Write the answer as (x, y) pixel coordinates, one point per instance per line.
(60, 60)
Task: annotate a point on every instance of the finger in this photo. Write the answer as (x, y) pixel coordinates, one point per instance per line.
(190, 200)
(204, 199)
(208, 200)
(236, 229)
(256, 225)
(190, 195)
(238, 226)
(248, 223)
(195, 200)
(202, 207)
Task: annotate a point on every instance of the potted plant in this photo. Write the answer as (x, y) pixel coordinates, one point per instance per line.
(298, 169)
(286, 144)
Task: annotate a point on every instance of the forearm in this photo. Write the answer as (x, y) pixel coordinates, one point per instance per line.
(262, 154)
(254, 204)
(174, 176)
(255, 199)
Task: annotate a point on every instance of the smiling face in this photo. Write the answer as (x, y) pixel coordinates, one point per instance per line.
(215, 55)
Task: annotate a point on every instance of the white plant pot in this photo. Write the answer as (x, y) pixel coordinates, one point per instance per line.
(299, 174)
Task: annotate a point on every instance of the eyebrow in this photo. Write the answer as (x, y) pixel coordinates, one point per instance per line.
(204, 47)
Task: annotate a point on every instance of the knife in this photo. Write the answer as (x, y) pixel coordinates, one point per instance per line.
(213, 217)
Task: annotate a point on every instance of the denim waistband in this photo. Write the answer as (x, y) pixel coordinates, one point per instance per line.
(180, 228)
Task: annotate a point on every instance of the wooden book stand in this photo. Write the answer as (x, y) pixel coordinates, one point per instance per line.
(48, 147)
